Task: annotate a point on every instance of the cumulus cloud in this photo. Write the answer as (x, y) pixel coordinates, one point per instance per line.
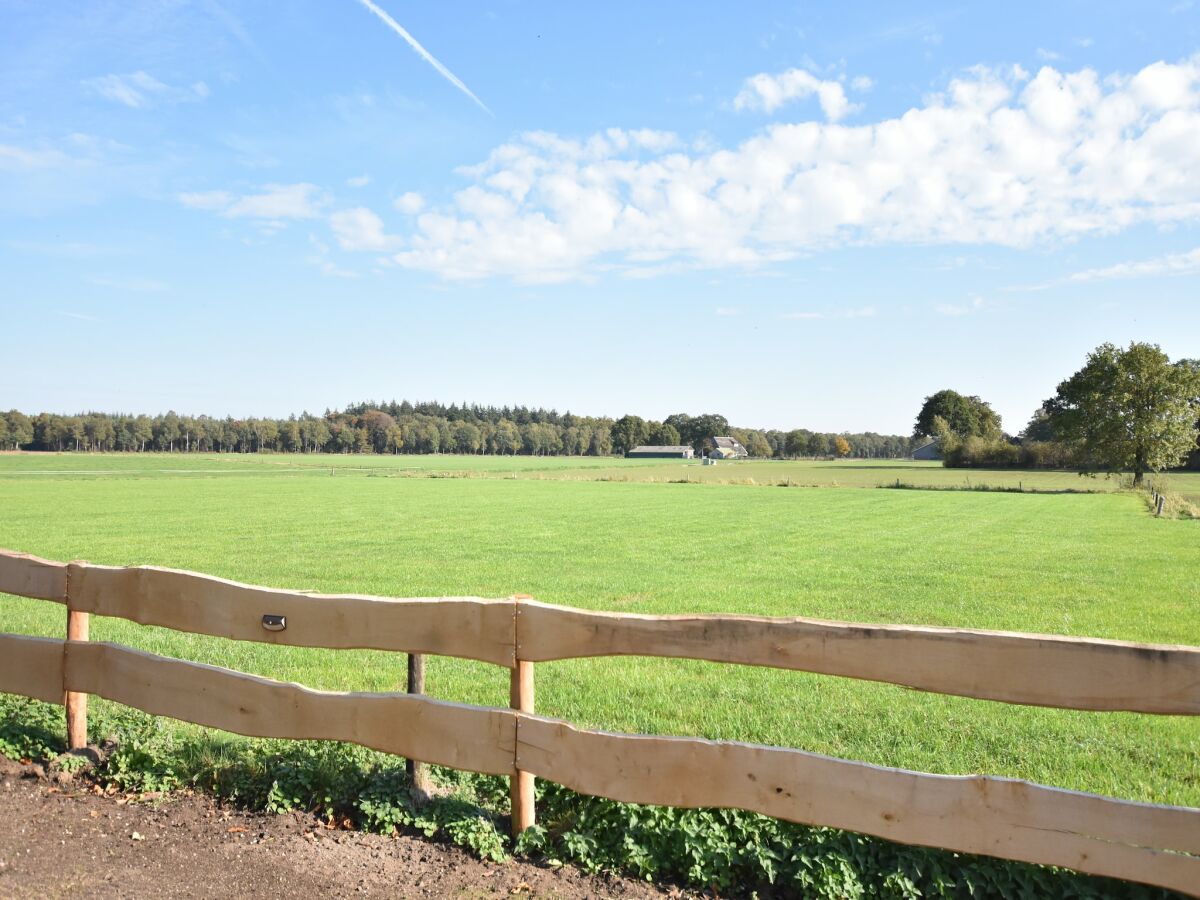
(274, 202)
(409, 203)
(360, 229)
(139, 90)
(358, 181)
(769, 92)
(997, 158)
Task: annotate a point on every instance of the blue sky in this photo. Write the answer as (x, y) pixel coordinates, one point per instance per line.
(794, 215)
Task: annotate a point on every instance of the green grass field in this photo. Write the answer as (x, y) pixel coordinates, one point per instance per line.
(766, 473)
(570, 531)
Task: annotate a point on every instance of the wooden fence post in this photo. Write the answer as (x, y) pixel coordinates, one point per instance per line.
(418, 772)
(520, 695)
(76, 703)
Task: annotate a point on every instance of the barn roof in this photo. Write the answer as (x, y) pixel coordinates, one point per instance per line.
(727, 443)
(666, 448)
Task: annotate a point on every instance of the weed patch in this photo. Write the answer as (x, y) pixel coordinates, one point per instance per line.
(347, 786)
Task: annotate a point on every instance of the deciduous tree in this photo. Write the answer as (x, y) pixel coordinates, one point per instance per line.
(629, 432)
(965, 416)
(1129, 410)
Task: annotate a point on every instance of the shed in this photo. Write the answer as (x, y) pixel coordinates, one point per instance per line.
(930, 451)
(675, 451)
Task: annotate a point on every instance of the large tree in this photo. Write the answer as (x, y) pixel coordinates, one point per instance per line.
(1129, 410)
(664, 435)
(964, 416)
(1040, 427)
(377, 424)
(19, 429)
(629, 432)
(698, 430)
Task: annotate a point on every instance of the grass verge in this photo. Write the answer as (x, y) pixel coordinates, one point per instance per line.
(731, 852)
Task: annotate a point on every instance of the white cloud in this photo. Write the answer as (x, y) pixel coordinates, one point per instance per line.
(139, 90)
(321, 260)
(1172, 264)
(861, 84)
(23, 158)
(998, 158)
(769, 92)
(274, 203)
(360, 229)
(728, 311)
(358, 181)
(74, 315)
(409, 203)
(210, 200)
(975, 304)
(1186, 263)
(1047, 55)
(279, 201)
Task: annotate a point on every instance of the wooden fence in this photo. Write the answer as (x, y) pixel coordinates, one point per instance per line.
(1000, 817)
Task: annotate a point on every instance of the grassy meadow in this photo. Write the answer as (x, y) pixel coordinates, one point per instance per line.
(637, 537)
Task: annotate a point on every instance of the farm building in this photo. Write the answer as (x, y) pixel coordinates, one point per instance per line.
(728, 448)
(664, 452)
(929, 451)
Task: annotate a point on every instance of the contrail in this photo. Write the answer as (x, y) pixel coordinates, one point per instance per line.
(425, 54)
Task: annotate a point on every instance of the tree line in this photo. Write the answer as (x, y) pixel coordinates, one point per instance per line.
(421, 428)
(1126, 410)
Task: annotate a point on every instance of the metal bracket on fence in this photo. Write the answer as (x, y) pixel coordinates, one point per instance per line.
(274, 623)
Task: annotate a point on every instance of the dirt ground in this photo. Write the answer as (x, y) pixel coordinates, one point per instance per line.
(65, 840)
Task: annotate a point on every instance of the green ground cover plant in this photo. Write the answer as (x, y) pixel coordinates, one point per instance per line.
(731, 852)
(1083, 564)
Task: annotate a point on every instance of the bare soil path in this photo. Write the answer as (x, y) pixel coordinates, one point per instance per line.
(67, 841)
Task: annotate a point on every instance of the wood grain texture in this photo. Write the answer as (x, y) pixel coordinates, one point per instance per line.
(31, 576)
(418, 772)
(522, 790)
(449, 734)
(76, 703)
(972, 814)
(1037, 670)
(33, 667)
(186, 601)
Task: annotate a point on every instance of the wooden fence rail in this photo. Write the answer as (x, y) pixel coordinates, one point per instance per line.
(1000, 817)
